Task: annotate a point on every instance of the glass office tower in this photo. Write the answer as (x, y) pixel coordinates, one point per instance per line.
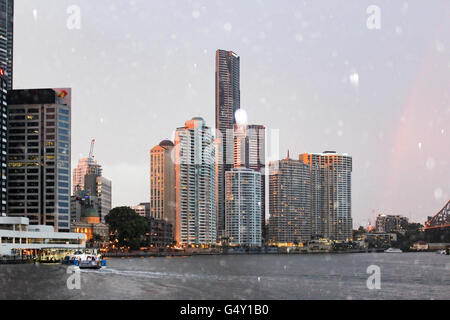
(39, 152)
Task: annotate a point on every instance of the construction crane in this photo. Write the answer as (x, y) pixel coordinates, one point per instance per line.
(91, 153)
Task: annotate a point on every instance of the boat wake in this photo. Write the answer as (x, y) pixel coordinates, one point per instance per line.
(171, 275)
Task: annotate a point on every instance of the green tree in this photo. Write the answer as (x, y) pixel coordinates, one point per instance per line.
(128, 227)
(414, 232)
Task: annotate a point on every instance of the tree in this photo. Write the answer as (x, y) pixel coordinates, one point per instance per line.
(127, 227)
(414, 232)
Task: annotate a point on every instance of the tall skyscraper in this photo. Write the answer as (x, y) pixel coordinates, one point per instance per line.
(6, 39)
(162, 182)
(196, 213)
(85, 166)
(228, 101)
(3, 142)
(39, 151)
(331, 194)
(289, 202)
(243, 207)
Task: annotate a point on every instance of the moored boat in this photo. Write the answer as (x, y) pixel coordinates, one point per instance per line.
(393, 250)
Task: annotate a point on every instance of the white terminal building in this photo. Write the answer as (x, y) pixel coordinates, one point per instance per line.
(18, 237)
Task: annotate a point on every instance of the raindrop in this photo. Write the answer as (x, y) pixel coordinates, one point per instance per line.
(228, 27)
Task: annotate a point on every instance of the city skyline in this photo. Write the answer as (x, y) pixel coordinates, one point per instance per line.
(382, 181)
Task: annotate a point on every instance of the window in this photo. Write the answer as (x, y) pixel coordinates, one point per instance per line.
(63, 125)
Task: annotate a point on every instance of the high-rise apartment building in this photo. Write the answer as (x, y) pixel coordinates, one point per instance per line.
(257, 161)
(39, 151)
(289, 202)
(3, 143)
(243, 207)
(196, 213)
(6, 40)
(249, 152)
(228, 101)
(162, 182)
(331, 194)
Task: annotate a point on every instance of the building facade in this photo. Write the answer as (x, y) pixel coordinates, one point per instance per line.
(391, 223)
(331, 194)
(162, 182)
(3, 143)
(196, 214)
(160, 233)
(289, 202)
(228, 101)
(39, 154)
(7, 40)
(101, 188)
(243, 207)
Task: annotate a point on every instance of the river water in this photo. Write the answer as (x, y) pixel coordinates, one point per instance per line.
(260, 277)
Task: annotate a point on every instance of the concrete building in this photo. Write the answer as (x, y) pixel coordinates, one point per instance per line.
(289, 202)
(391, 223)
(243, 207)
(7, 40)
(19, 238)
(196, 213)
(331, 194)
(228, 101)
(39, 153)
(162, 182)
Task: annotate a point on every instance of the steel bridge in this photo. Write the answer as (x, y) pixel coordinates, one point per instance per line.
(438, 227)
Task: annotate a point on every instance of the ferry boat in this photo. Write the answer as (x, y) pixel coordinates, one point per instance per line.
(444, 251)
(85, 261)
(392, 250)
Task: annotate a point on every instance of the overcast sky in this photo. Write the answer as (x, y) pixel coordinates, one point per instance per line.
(312, 69)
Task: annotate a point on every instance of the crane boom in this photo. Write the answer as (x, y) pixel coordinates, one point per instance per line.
(91, 153)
